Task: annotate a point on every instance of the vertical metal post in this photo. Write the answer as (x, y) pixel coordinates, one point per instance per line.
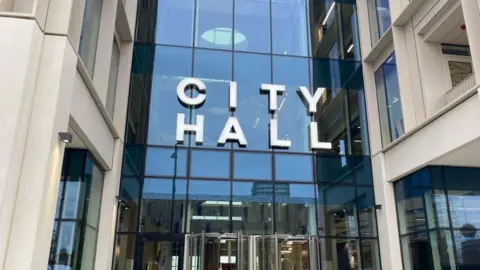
(275, 245)
(202, 252)
(186, 253)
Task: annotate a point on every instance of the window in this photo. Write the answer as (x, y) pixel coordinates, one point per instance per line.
(113, 78)
(380, 20)
(89, 34)
(78, 210)
(389, 102)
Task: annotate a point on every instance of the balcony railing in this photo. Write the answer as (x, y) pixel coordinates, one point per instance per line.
(456, 92)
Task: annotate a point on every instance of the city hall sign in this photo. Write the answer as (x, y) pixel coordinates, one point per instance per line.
(232, 130)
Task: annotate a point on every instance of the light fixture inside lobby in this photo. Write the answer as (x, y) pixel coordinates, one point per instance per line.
(222, 36)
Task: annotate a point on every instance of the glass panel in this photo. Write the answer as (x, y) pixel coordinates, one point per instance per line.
(294, 254)
(339, 254)
(459, 71)
(413, 202)
(210, 164)
(252, 166)
(292, 115)
(467, 244)
(68, 245)
(162, 255)
(89, 242)
(383, 16)
(94, 199)
(289, 27)
(161, 161)
(293, 168)
(162, 205)
(214, 68)
(442, 249)
(250, 71)
(175, 22)
(337, 214)
(369, 254)
(89, 34)
(252, 26)
(170, 66)
(214, 24)
(74, 203)
(208, 206)
(252, 207)
(128, 216)
(394, 103)
(417, 252)
(366, 212)
(333, 168)
(124, 252)
(295, 208)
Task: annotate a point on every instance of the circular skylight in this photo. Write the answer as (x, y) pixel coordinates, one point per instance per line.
(223, 36)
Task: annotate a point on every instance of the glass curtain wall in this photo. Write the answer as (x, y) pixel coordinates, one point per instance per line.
(170, 189)
(77, 214)
(438, 217)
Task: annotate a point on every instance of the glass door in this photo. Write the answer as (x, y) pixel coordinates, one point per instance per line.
(156, 253)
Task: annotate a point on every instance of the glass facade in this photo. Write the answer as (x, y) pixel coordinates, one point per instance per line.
(438, 217)
(77, 214)
(380, 18)
(389, 102)
(211, 205)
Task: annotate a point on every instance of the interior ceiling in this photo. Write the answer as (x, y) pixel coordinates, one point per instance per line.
(465, 156)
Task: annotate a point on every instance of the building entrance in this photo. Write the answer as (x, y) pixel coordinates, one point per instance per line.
(214, 251)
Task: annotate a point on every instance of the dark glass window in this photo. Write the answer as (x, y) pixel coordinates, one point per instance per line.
(214, 24)
(289, 27)
(295, 208)
(124, 251)
(175, 22)
(292, 114)
(337, 215)
(252, 26)
(366, 212)
(252, 166)
(163, 205)
(161, 162)
(128, 215)
(293, 168)
(171, 65)
(209, 206)
(212, 164)
(250, 71)
(416, 251)
(252, 207)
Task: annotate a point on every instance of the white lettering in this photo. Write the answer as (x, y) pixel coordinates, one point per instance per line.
(311, 101)
(274, 141)
(273, 90)
(233, 132)
(189, 101)
(233, 95)
(182, 128)
(314, 143)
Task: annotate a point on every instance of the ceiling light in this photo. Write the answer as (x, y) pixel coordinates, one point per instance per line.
(65, 137)
(328, 14)
(350, 48)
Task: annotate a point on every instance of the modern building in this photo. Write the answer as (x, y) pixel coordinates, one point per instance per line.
(239, 134)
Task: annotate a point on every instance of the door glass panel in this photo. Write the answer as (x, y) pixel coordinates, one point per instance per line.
(294, 254)
(162, 255)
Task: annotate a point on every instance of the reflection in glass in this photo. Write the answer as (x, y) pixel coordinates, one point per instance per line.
(171, 65)
(289, 27)
(295, 208)
(214, 68)
(212, 164)
(333, 168)
(67, 246)
(366, 212)
(163, 205)
(252, 166)
(250, 71)
(292, 114)
(293, 168)
(340, 254)
(369, 254)
(127, 216)
(337, 213)
(383, 16)
(175, 22)
(252, 20)
(161, 161)
(124, 252)
(416, 251)
(214, 24)
(208, 208)
(252, 207)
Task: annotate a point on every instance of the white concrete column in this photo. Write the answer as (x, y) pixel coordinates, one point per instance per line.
(20, 56)
(386, 217)
(471, 13)
(108, 217)
(32, 224)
